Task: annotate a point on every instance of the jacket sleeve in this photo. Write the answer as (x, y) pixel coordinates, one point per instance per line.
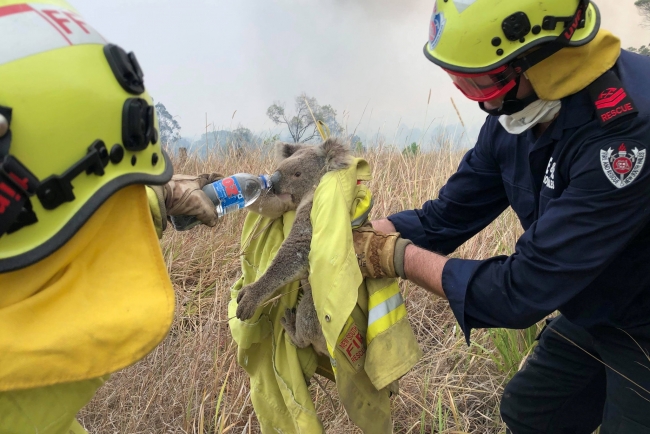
(472, 198)
(578, 235)
(156, 201)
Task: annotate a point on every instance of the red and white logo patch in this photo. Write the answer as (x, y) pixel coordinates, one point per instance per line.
(353, 346)
(436, 27)
(622, 166)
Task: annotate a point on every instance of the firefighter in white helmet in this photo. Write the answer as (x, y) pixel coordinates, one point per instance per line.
(84, 290)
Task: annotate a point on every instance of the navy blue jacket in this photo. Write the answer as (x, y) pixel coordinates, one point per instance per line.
(582, 194)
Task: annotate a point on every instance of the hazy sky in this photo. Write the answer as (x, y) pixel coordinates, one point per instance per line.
(221, 56)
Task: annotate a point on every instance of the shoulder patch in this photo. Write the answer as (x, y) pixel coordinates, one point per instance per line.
(612, 102)
(621, 163)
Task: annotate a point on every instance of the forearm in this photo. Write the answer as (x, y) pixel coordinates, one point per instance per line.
(424, 268)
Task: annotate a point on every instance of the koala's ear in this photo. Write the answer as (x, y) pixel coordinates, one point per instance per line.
(337, 156)
(285, 150)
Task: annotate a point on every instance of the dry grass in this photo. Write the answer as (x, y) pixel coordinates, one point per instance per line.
(191, 382)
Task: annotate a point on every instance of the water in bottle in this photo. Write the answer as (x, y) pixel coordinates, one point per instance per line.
(228, 195)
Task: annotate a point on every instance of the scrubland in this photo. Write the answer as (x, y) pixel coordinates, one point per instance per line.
(191, 382)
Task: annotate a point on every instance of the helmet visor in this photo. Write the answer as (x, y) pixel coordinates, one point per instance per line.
(485, 86)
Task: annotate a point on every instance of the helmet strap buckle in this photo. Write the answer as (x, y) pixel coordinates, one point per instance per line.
(57, 189)
(550, 22)
(563, 40)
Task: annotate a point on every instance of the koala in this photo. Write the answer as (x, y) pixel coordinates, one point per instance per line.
(293, 186)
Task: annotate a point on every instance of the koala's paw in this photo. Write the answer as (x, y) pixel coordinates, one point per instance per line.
(288, 321)
(247, 303)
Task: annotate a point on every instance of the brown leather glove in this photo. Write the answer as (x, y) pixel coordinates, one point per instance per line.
(379, 254)
(182, 195)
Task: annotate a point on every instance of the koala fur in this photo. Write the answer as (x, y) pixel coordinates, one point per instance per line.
(293, 185)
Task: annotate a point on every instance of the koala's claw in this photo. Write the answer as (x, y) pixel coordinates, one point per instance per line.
(288, 321)
(246, 304)
(289, 318)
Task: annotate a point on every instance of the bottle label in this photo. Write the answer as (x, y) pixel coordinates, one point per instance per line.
(230, 195)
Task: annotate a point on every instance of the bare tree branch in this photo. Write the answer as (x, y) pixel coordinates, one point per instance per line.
(302, 126)
(644, 9)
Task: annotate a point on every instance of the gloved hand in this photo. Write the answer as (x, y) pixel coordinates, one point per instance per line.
(379, 254)
(182, 195)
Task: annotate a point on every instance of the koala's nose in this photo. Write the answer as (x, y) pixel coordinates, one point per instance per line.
(275, 179)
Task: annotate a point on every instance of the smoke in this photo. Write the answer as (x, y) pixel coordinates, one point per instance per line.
(625, 21)
(383, 9)
(363, 57)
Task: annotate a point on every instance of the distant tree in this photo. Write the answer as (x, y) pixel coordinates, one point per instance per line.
(169, 128)
(242, 135)
(270, 140)
(643, 49)
(411, 150)
(240, 139)
(301, 125)
(184, 142)
(644, 9)
(356, 145)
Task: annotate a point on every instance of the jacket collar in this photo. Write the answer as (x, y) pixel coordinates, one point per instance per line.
(577, 110)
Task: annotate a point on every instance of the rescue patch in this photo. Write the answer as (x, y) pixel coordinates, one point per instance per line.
(353, 346)
(436, 27)
(622, 166)
(611, 101)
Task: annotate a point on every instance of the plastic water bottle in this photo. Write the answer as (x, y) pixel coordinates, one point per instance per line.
(228, 195)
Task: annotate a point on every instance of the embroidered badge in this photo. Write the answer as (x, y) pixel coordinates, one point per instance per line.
(549, 177)
(612, 102)
(622, 167)
(436, 27)
(353, 346)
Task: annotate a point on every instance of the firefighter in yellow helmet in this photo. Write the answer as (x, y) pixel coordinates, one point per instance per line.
(83, 287)
(565, 145)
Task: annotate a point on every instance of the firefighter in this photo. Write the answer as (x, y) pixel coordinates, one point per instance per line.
(564, 144)
(84, 289)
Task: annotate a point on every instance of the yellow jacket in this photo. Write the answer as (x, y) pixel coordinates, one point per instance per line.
(98, 304)
(364, 358)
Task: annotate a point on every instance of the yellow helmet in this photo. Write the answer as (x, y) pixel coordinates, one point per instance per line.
(76, 125)
(478, 36)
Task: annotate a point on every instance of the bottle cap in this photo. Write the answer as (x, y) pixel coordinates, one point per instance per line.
(266, 181)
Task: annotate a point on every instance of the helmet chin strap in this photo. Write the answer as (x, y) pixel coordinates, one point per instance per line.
(511, 104)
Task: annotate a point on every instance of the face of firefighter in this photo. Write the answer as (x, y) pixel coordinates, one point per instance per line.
(525, 89)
